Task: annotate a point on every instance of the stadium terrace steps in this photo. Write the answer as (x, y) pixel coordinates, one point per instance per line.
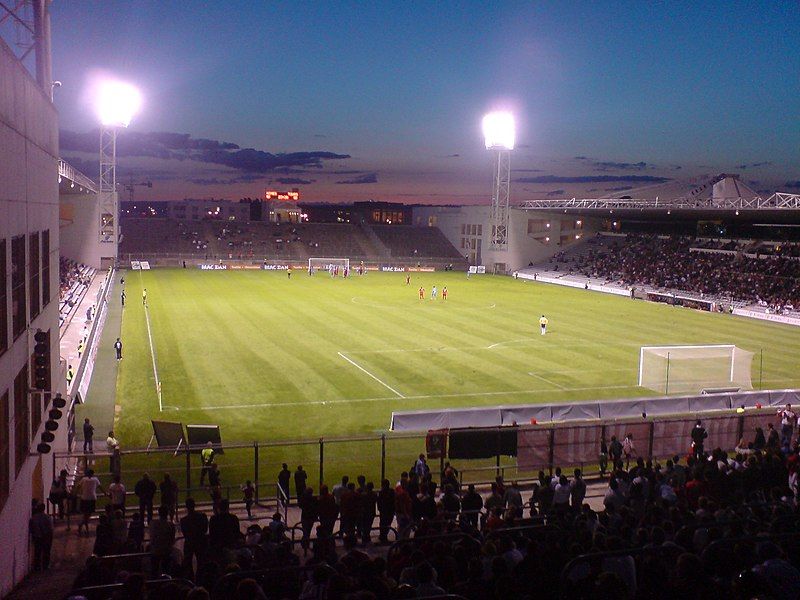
(406, 240)
(256, 241)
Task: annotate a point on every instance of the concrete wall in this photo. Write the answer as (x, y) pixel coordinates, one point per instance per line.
(523, 246)
(81, 215)
(28, 203)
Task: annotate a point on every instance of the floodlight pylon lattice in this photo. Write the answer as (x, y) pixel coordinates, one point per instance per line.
(501, 191)
(108, 198)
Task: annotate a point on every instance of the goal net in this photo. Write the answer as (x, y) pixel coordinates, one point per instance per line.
(327, 264)
(691, 369)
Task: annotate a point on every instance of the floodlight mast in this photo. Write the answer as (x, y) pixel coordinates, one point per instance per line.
(117, 102)
(498, 132)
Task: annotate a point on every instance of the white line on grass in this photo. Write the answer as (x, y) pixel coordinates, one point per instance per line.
(419, 397)
(152, 351)
(360, 368)
(546, 380)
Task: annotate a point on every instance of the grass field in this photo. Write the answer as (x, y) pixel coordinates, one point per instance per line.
(272, 358)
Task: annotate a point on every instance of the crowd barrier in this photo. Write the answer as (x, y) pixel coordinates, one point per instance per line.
(424, 420)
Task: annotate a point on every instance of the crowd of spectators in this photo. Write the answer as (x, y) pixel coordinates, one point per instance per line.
(699, 526)
(69, 274)
(668, 263)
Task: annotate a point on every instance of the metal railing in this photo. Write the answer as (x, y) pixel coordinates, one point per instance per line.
(777, 201)
(67, 171)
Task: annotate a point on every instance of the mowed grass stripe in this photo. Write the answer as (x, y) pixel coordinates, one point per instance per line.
(244, 338)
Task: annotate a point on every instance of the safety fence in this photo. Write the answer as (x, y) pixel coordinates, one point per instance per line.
(514, 452)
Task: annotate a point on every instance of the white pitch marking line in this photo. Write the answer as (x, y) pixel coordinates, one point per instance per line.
(360, 368)
(546, 380)
(152, 351)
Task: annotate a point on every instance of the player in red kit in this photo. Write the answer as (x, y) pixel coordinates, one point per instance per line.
(422, 293)
(444, 293)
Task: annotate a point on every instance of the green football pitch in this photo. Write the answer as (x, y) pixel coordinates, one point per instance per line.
(267, 357)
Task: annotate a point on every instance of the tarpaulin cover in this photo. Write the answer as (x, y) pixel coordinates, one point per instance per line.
(709, 402)
(523, 414)
(783, 397)
(575, 412)
(618, 409)
(750, 399)
(672, 437)
(533, 448)
(483, 443)
(576, 445)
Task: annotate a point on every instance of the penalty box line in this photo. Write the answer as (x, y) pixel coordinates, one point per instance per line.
(418, 397)
(378, 379)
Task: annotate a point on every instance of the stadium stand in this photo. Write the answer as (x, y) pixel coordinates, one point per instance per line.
(746, 271)
(697, 526)
(405, 240)
(74, 280)
(213, 239)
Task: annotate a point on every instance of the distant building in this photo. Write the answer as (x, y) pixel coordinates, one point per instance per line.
(209, 210)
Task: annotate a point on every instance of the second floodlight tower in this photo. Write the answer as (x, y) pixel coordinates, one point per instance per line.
(116, 104)
(499, 134)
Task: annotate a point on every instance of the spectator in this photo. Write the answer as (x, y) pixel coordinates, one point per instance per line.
(386, 510)
(223, 528)
(283, 483)
(169, 495)
(162, 539)
(145, 490)
(328, 511)
(88, 487)
(367, 503)
(41, 531)
(194, 527)
(88, 436)
(249, 493)
(300, 477)
(116, 491)
(309, 513)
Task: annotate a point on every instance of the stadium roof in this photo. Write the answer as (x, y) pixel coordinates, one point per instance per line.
(724, 193)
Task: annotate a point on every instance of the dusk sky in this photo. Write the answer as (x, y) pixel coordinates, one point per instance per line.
(384, 100)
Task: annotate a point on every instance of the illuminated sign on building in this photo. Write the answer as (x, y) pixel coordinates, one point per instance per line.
(292, 196)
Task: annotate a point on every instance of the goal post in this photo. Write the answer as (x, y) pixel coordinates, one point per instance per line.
(326, 264)
(690, 369)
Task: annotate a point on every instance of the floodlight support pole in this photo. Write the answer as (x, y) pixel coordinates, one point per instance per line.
(109, 201)
(501, 191)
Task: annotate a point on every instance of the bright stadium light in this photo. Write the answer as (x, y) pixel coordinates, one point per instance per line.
(498, 135)
(498, 130)
(116, 103)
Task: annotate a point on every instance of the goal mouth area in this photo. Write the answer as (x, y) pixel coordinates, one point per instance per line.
(693, 368)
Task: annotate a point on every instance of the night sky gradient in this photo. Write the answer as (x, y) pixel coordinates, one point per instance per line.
(384, 100)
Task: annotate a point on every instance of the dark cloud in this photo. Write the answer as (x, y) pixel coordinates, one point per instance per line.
(182, 146)
(293, 181)
(792, 185)
(523, 146)
(593, 179)
(622, 188)
(245, 178)
(580, 157)
(677, 168)
(555, 193)
(765, 163)
(452, 156)
(368, 178)
(526, 170)
(619, 166)
(346, 172)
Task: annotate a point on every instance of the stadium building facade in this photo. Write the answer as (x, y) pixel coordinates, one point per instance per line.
(533, 236)
(29, 286)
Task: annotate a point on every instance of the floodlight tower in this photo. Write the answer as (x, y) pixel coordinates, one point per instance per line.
(117, 102)
(498, 133)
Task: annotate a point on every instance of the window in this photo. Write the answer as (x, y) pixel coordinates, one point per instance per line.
(36, 400)
(463, 229)
(45, 268)
(22, 438)
(19, 315)
(480, 229)
(5, 484)
(33, 273)
(3, 299)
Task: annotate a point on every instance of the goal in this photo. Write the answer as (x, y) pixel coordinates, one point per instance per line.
(325, 264)
(691, 369)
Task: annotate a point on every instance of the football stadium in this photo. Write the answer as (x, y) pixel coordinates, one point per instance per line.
(286, 392)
